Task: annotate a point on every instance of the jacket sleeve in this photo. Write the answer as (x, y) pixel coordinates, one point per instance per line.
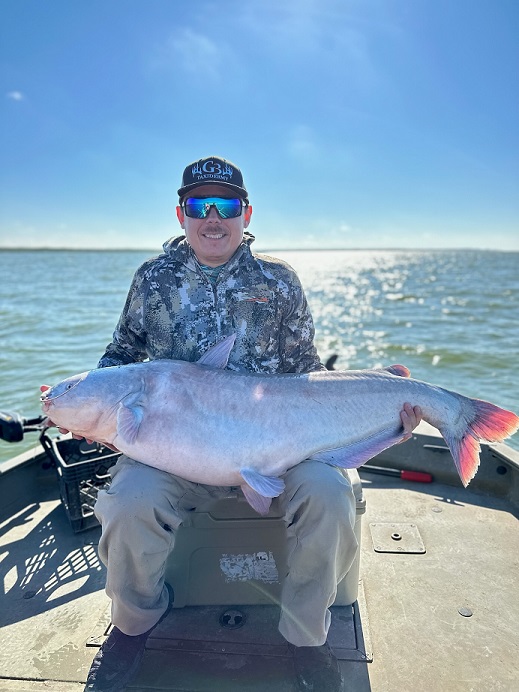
(128, 343)
(297, 333)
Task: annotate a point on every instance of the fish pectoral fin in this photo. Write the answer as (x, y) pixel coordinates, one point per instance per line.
(218, 355)
(129, 419)
(357, 453)
(259, 489)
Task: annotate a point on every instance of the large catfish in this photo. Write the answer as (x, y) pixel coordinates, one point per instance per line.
(214, 426)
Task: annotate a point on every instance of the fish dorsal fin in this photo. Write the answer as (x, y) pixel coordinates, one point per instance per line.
(218, 355)
(259, 489)
(399, 370)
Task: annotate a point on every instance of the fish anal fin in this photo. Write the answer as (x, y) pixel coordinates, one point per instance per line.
(218, 355)
(259, 489)
(258, 502)
(353, 455)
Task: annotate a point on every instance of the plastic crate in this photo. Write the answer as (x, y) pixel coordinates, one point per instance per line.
(82, 470)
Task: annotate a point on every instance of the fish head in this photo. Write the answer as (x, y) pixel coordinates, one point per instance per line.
(75, 403)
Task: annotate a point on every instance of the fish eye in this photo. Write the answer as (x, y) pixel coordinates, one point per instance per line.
(69, 386)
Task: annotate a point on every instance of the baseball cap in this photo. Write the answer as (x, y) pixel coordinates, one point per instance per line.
(212, 169)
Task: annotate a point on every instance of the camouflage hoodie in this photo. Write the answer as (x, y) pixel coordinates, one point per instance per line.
(173, 311)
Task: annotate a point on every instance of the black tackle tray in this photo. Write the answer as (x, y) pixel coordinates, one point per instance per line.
(82, 469)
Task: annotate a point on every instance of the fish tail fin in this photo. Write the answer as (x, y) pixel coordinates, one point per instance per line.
(488, 423)
(491, 423)
(465, 452)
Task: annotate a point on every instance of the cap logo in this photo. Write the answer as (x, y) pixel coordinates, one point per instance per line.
(212, 170)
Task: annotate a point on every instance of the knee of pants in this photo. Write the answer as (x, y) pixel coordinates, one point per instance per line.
(114, 507)
(323, 491)
(137, 493)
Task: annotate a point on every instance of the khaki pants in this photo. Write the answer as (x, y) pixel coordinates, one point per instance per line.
(143, 508)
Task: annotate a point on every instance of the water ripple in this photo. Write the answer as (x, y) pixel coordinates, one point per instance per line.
(449, 316)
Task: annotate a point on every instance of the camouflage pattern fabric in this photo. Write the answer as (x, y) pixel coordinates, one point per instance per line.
(173, 311)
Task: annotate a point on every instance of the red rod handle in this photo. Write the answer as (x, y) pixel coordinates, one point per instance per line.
(416, 476)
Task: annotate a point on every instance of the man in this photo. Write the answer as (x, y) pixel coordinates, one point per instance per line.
(208, 285)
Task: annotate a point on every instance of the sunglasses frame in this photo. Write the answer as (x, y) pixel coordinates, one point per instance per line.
(213, 203)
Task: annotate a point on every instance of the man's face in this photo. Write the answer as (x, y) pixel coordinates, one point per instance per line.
(214, 240)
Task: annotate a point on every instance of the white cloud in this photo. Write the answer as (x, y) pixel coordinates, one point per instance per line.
(341, 35)
(193, 53)
(288, 27)
(15, 95)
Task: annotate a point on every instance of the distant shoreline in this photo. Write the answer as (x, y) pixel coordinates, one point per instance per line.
(266, 250)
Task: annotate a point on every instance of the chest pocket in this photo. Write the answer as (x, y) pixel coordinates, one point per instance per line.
(253, 311)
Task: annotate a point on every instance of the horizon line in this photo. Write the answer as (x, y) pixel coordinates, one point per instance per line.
(262, 249)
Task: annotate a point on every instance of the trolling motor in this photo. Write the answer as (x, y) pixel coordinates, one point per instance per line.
(13, 426)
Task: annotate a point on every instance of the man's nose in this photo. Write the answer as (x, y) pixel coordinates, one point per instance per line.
(213, 214)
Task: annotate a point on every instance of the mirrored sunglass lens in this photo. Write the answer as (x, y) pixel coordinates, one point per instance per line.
(198, 208)
(228, 208)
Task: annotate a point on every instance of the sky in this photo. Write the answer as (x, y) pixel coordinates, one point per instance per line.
(356, 123)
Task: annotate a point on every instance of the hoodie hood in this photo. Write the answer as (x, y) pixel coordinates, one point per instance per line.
(179, 249)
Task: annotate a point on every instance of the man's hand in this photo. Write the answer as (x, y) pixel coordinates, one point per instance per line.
(64, 431)
(410, 417)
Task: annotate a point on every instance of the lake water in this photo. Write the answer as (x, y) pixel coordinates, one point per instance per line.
(450, 316)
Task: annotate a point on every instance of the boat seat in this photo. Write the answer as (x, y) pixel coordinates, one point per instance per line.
(227, 554)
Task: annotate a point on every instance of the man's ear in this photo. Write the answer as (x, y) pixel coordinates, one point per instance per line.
(180, 216)
(247, 215)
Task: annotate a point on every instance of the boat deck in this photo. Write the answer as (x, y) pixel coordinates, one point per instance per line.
(437, 608)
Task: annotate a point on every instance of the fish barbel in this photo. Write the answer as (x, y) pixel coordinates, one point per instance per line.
(217, 427)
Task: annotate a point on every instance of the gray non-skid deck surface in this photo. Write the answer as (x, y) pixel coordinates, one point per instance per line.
(53, 603)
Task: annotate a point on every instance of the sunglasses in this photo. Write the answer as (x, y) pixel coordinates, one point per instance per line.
(199, 207)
